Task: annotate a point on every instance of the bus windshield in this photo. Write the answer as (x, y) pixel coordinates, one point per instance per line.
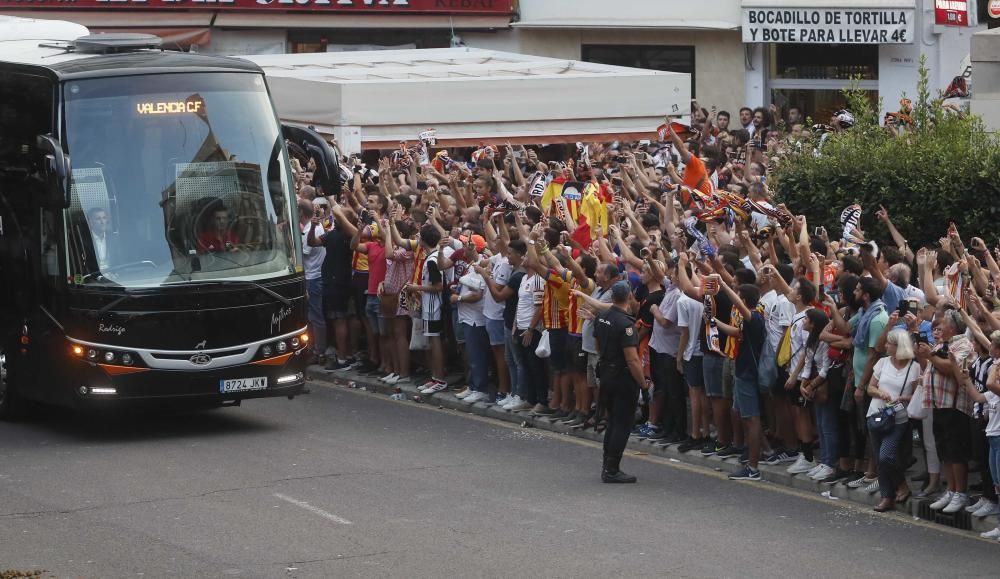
(176, 178)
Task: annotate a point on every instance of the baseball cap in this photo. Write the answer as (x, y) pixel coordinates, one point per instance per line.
(477, 239)
(620, 291)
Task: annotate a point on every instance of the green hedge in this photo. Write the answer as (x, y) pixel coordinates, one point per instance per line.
(946, 168)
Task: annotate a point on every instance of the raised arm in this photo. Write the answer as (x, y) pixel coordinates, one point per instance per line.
(897, 237)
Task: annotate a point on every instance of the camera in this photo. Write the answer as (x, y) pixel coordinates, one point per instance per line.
(620, 159)
(366, 217)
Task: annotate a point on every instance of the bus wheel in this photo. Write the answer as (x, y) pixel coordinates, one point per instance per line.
(11, 405)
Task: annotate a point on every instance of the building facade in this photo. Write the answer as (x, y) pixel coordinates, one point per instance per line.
(799, 53)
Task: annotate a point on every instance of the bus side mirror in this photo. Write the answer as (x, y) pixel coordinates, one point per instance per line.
(327, 174)
(57, 172)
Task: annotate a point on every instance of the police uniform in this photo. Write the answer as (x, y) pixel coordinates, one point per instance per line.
(615, 331)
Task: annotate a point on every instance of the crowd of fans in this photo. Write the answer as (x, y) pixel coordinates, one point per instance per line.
(762, 336)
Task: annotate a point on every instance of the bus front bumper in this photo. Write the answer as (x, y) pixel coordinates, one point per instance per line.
(96, 384)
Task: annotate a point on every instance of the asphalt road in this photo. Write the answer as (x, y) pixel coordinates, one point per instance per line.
(344, 484)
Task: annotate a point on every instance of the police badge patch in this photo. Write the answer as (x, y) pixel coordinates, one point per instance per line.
(628, 331)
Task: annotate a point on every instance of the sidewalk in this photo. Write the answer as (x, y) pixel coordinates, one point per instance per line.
(773, 474)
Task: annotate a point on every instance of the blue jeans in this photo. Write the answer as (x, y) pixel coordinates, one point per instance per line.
(317, 321)
(994, 442)
(826, 427)
(888, 447)
(515, 364)
(477, 346)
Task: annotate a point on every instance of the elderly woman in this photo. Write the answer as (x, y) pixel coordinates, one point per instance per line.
(893, 380)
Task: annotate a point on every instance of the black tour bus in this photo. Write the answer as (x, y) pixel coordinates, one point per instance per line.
(149, 240)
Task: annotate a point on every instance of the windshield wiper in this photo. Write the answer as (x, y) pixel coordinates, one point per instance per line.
(126, 296)
(236, 283)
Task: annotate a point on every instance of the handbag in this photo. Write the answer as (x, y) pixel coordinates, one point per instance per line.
(418, 341)
(882, 421)
(915, 409)
(544, 349)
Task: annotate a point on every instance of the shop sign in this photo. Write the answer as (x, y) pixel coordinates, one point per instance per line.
(993, 9)
(828, 25)
(387, 6)
(951, 12)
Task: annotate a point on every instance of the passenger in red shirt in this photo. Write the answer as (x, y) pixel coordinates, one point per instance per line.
(217, 236)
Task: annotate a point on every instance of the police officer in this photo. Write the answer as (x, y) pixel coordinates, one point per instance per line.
(620, 373)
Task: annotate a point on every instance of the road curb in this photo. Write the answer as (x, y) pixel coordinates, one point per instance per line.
(772, 474)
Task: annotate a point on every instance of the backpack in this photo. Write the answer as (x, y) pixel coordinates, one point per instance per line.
(784, 354)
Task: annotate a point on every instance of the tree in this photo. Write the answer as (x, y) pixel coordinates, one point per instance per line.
(945, 166)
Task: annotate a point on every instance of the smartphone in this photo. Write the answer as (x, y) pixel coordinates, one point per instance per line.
(904, 308)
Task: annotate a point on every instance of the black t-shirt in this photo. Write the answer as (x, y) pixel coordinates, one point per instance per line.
(337, 264)
(510, 306)
(723, 312)
(615, 331)
(751, 346)
(646, 308)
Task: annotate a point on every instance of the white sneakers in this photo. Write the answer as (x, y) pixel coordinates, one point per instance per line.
(390, 378)
(516, 404)
(474, 397)
(433, 386)
(461, 395)
(975, 506)
(801, 466)
(994, 534)
(943, 501)
(986, 510)
(958, 501)
(508, 399)
(821, 472)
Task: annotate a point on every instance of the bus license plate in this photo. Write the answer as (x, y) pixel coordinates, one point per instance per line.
(242, 385)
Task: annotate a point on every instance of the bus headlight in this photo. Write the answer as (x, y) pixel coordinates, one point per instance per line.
(281, 347)
(109, 357)
(127, 359)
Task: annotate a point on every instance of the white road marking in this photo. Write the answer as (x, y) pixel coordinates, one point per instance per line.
(314, 510)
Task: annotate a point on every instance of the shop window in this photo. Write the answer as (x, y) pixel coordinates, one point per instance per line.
(811, 77)
(665, 58)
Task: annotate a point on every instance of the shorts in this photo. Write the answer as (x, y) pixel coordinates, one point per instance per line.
(951, 433)
(359, 293)
(712, 371)
(559, 359)
(335, 301)
(795, 396)
(728, 369)
(432, 328)
(592, 360)
(576, 357)
(497, 332)
(380, 325)
(694, 374)
(778, 390)
(746, 398)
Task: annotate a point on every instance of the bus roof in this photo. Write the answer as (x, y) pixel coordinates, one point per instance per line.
(48, 44)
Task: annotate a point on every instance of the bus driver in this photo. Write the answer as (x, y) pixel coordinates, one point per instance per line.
(99, 223)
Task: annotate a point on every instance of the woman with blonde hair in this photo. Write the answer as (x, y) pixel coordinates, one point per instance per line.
(893, 380)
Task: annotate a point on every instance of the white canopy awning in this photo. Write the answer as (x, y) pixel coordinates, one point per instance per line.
(702, 15)
(469, 96)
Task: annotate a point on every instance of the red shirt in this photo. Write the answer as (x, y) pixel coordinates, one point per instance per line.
(212, 242)
(376, 266)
